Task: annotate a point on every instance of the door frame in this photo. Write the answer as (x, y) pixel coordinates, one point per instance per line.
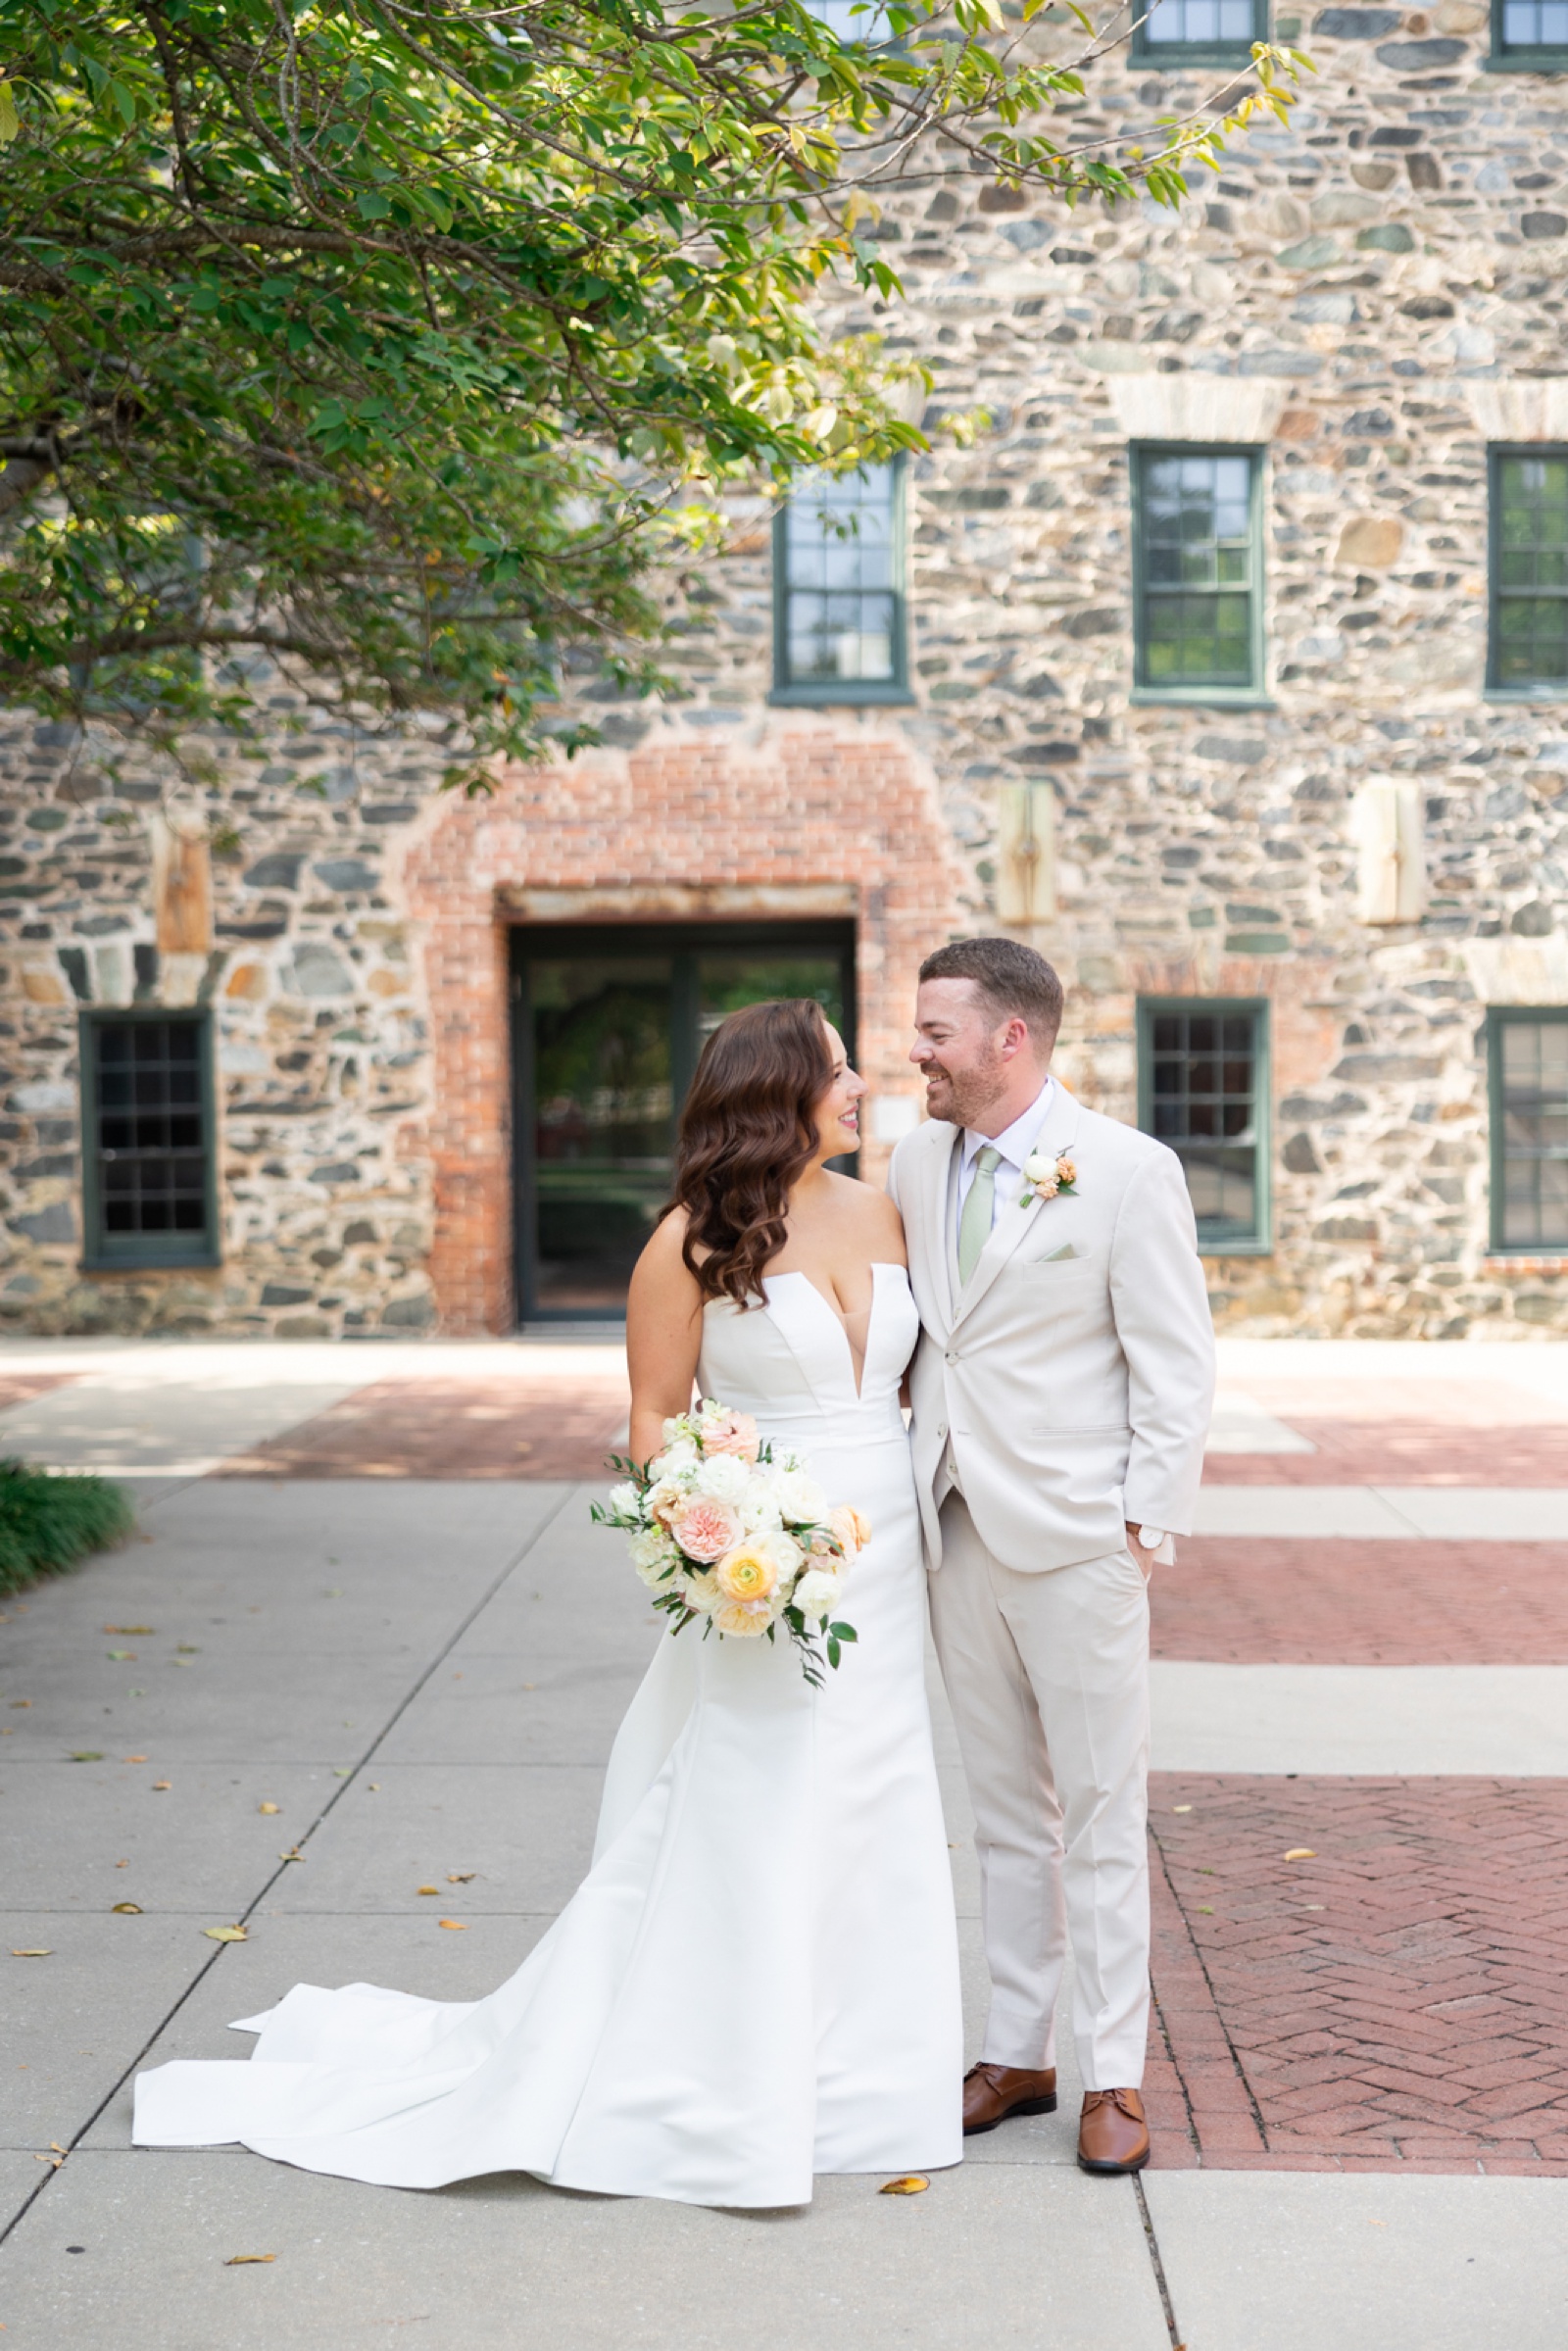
(762, 934)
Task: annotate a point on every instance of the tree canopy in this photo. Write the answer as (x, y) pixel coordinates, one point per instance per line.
(390, 340)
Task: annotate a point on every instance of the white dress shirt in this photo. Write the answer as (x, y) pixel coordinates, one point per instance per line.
(1015, 1142)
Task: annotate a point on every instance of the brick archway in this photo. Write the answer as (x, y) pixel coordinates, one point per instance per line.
(815, 807)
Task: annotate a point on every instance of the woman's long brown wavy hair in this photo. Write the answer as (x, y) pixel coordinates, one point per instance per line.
(746, 1133)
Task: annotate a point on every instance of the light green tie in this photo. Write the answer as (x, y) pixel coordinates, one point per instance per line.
(974, 1225)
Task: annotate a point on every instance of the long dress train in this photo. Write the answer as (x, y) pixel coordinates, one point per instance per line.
(757, 1980)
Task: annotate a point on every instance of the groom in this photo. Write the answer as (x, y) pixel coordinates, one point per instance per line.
(1061, 1398)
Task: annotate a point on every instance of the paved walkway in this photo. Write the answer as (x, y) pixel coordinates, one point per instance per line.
(346, 1604)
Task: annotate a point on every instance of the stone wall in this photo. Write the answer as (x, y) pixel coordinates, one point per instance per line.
(1375, 293)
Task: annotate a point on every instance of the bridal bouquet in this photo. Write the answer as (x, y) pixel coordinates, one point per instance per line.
(725, 1529)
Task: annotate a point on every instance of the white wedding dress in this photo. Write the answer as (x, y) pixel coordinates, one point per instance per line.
(758, 1978)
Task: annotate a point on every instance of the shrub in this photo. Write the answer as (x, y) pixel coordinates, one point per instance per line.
(48, 1524)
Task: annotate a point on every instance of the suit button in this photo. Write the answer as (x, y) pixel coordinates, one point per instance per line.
(942, 1428)
(950, 1358)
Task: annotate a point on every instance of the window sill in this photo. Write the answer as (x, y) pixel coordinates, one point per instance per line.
(206, 1260)
(1202, 698)
(845, 697)
(1505, 1260)
(1526, 694)
(1211, 1252)
(1527, 60)
(1175, 57)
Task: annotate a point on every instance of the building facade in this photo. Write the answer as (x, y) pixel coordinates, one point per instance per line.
(1227, 663)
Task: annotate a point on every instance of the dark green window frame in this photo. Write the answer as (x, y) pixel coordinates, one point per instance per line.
(1552, 688)
(1514, 56)
(1230, 1237)
(103, 1250)
(893, 689)
(1216, 691)
(1211, 49)
(1518, 1164)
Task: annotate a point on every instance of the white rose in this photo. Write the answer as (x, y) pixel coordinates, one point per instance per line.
(783, 1549)
(760, 1510)
(624, 1500)
(700, 1591)
(651, 1555)
(675, 1458)
(801, 1500)
(725, 1478)
(816, 1596)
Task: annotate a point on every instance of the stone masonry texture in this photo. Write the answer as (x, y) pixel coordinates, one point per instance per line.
(1381, 280)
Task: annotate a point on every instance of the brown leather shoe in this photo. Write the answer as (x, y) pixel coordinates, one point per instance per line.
(1112, 2135)
(992, 2092)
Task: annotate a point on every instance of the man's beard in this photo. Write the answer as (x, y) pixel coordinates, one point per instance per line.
(969, 1093)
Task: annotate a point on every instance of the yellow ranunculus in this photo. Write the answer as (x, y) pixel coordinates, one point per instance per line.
(747, 1573)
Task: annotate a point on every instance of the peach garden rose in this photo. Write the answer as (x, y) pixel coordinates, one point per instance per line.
(725, 1530)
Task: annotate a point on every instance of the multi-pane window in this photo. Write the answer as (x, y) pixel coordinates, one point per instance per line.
(1529, 570)
(1529, 1068)
(1198, 571)
(1203, 1090)
(1189, 32)
(147, 1140)
(852, 20)
(838, 589)
(1524, 28)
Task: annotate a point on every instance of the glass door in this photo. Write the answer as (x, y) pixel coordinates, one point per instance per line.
(609, 1022)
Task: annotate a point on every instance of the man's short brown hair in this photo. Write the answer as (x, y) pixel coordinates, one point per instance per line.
(1011, 976)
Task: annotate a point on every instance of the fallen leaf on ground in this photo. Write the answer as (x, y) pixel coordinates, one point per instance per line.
(54, 2161)
(128, 1909)
(1300, 1853)
(339, 1773)
(188, 1648)
(225, 1935)
(237, 2261)
(21, 1701)
(132, 1631)
(1205, 1910)
(457, 1926)
(375, 1786)
(427, 1890)
(121, 1656)
(913, 2185)
(41, 1952)
(293, 1854)
(461, 1877)
(162, 1787)
(268, 1807)
(1181, 1808)
(121, 1865)
(133, 1759)
(88, 1755)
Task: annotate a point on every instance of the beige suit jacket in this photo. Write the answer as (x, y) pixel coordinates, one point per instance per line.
(1074, 1374)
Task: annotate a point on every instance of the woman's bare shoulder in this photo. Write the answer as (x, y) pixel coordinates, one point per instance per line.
(663, 1261)
(876, 1220)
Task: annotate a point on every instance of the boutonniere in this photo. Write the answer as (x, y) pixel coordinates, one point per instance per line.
(1045, 1175)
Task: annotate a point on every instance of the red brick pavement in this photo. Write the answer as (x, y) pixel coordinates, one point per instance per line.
(1394, 2003)
(21, 1387)
(1370, 1433)
(533, 1425)
(1293, 1600)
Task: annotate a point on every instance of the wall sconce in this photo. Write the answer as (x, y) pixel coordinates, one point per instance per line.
(1026, 854)
(1388, 827)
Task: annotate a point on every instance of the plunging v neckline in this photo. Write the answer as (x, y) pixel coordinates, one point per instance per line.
(878, 1265)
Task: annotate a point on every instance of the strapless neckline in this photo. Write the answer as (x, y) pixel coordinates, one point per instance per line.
(879, 1265)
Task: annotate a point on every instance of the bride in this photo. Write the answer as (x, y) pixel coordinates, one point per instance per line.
(757, 1980)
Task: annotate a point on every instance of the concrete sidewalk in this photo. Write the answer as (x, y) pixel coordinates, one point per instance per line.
(403, 1671)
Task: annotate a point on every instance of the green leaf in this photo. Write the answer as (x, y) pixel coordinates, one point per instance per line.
(10, 120)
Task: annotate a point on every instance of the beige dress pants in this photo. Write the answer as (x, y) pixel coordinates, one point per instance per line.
(1047, 1678)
